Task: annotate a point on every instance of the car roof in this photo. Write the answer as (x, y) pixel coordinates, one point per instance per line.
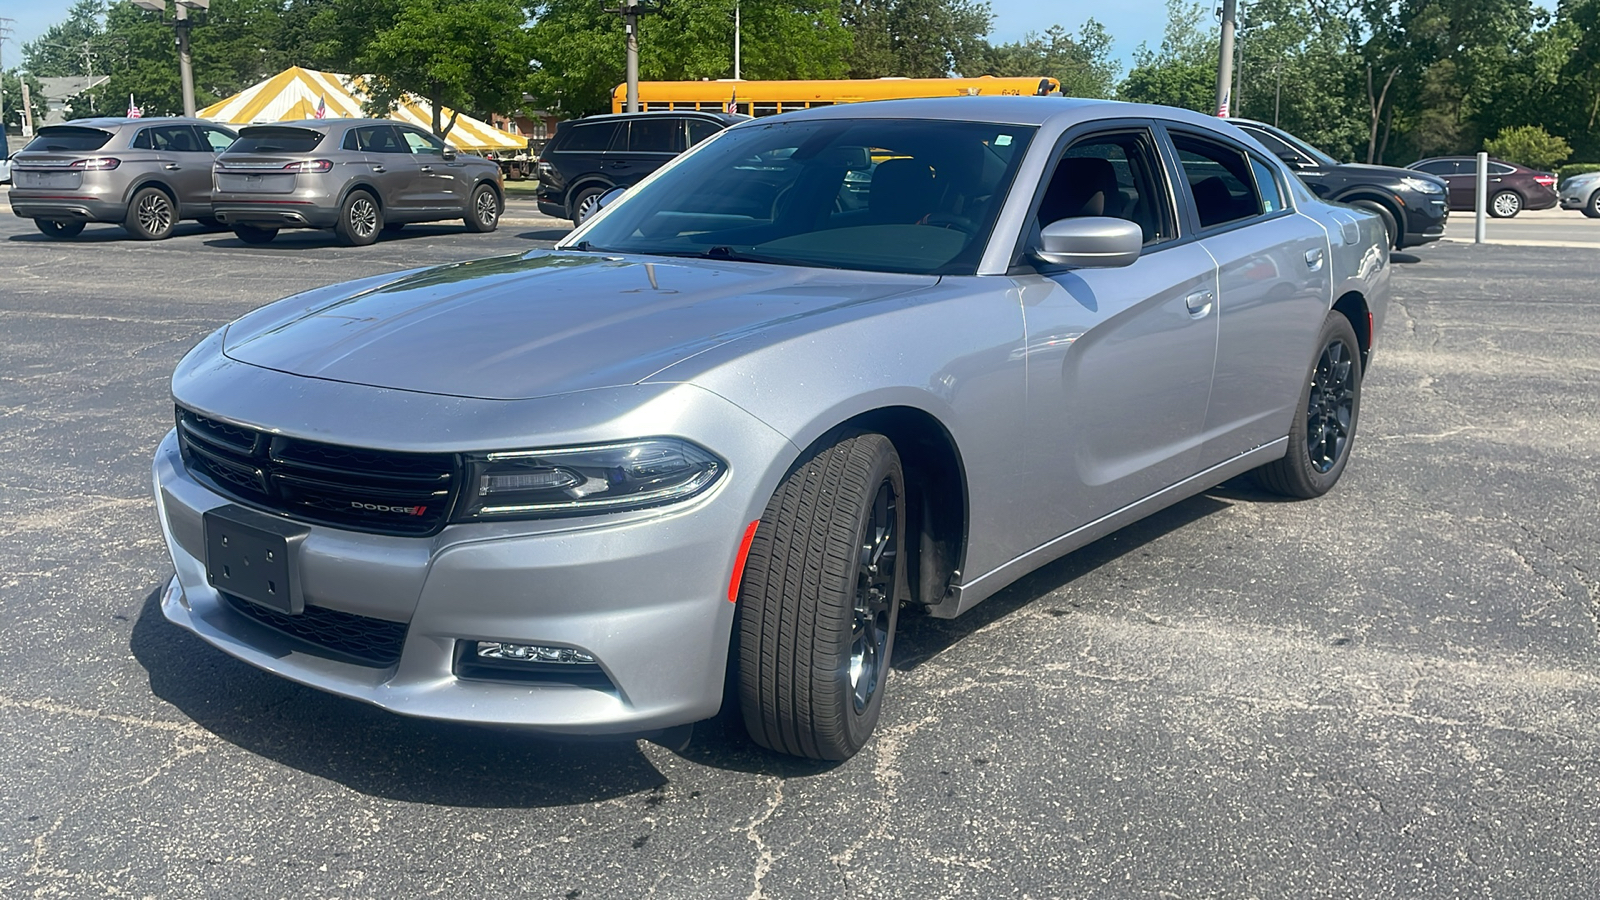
(1039, 111)
(323, 124)
(727, 118)
(120, 121)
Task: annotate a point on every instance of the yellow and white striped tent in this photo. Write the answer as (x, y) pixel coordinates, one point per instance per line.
(295, 93)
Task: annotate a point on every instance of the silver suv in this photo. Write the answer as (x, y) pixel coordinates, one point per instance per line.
(144, 174)
(357, 176)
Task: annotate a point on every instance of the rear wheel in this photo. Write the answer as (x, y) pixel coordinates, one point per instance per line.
(483, 214)
(1592, 208)
(585, 204)
(1325, 422)
(250, 234)
(360, 220)
(151, 215)
(59, 229)
(819, 600)
(1505, 204)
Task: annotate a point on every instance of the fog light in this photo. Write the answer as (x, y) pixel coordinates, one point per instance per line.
(533, 653)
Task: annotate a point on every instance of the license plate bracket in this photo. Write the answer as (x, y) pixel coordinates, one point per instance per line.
(255, 557)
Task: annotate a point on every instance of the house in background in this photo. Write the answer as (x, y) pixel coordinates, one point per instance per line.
(59, 91)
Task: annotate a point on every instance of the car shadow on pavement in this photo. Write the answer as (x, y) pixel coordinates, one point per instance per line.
(1406, 258)
(920, 637)
(549, 234)
(372, 751)
(109, 234)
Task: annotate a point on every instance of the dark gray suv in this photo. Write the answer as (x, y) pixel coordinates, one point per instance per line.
(143, 174)
(358, 177)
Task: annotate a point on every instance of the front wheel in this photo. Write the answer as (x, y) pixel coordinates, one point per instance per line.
(1325, 423)
(484, 213)
(360, 220)
(151, 215)
(1391, 229)
(819, 600)
(1505, 205)
(1592, 208)
(59, 229)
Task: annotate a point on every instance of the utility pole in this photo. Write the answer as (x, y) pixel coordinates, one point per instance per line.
(630, 11)
(5, 35)
(736, 29)
(180, 24)
(1225, 56)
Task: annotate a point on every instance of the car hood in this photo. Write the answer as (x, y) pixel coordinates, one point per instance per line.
(514, 328)
(1393, 173)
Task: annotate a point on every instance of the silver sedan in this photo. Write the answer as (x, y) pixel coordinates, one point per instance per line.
(822, 366)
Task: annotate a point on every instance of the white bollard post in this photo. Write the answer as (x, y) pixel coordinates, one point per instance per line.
(1481, 206)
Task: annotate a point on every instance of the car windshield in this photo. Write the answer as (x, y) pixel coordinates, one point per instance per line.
(1307, 149)
(887, 195)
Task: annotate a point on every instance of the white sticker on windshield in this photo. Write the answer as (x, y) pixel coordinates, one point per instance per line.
(1003, 140)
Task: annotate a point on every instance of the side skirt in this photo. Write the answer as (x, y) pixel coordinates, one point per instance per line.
(960, 598)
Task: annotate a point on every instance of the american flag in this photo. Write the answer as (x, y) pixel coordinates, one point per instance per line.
(134, 112)
(733, 102)
(322, 108)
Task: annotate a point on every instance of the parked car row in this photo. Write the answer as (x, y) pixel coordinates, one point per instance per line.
(357, 177)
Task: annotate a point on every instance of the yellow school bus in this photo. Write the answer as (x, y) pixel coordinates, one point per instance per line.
(768, 98)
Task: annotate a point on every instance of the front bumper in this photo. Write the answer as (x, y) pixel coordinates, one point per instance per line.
(1425, 219)
(1578, 196)
(645, 593)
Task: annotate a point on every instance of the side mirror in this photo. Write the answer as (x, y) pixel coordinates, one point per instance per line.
(609, 196)
(1090, 242)
(448, 153)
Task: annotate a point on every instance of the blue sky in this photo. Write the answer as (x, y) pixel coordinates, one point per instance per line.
(1129, 21)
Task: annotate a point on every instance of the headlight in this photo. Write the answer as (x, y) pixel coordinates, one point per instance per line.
(536, 484)
(1422, 185)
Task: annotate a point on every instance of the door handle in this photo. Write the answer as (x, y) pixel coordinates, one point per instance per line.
(173, 166)
(379, 169)
(1199, 303)
(427, 168)
(1314, 259)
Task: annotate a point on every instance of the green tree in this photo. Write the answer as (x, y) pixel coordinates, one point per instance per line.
(915, 38)
(1530, 146)
(1183, 71)
(580, 51)
(1081, 62)
(71, 46)
(11, 113)
(468, 55)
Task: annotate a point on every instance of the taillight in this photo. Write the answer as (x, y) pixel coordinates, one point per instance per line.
(310, 165)
(97, 164)
(1546, 180)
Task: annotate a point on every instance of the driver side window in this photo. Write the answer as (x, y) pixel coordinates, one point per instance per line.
(1116, 175)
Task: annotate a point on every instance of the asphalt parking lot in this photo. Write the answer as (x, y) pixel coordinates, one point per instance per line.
(1389, 692)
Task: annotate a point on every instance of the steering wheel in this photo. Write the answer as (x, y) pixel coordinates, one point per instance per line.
(951, 221)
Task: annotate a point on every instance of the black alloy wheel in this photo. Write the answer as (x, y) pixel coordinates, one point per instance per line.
(59, 229)
(1324, 428)
(820, 597)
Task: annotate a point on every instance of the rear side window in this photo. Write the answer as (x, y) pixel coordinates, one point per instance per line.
(590, 138)
(1437, 167)
(375, 139)
(1267, 183)
(68, 138)
(171, 138)
(663, 135)
(276, 140)
(1219, 180)
(216, 138)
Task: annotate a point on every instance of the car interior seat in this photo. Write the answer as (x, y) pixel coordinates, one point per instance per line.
(1083, 186)
(902, 192)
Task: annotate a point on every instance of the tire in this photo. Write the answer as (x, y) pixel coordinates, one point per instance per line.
(1505, 205)
(1390, 227)
(819, 600)
(151, 215)
(250, 234)
(58, 229)
(483, 212)
(585, 204)
(360, 220)
(1592, 208)
(1324, 427)
(393, 227)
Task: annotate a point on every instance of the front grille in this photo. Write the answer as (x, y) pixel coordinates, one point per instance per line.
(367, 641)
(376, 491)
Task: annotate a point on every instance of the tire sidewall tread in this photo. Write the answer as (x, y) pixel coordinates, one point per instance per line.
(1293, 475)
